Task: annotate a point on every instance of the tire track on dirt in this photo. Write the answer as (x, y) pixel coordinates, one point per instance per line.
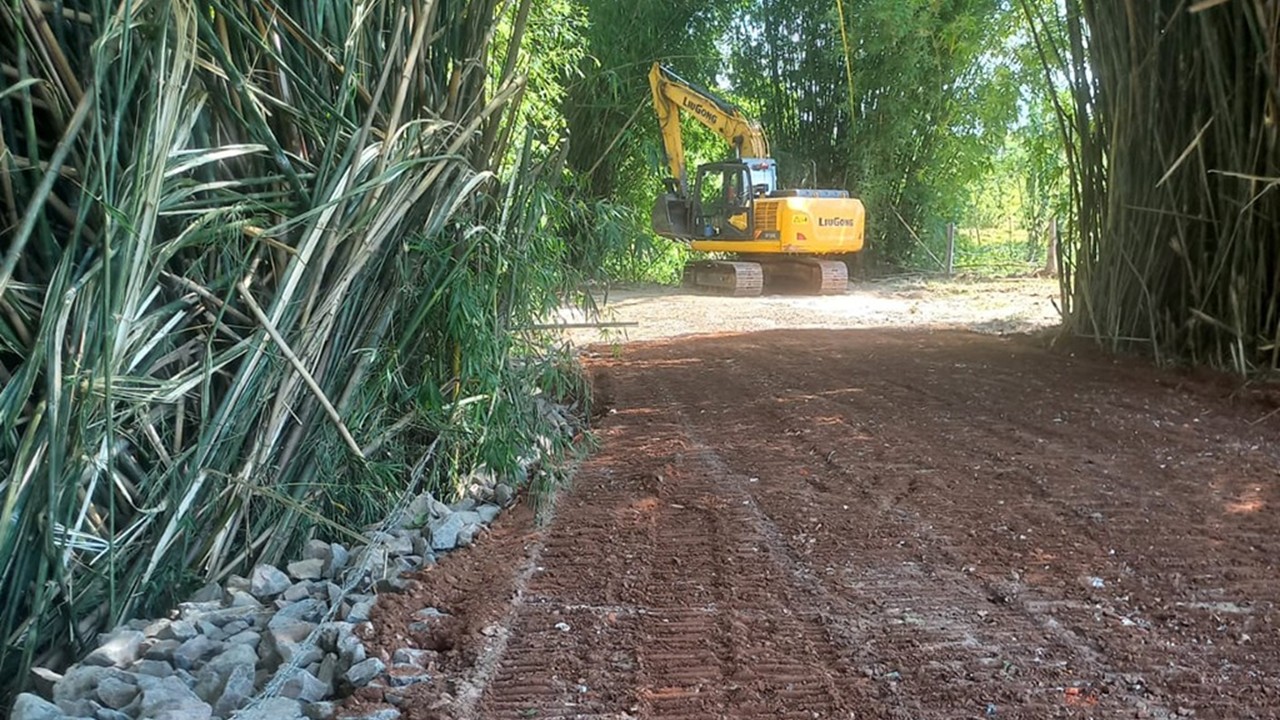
(968, 637)
(1107, 524)
(782, 525)
(703, 627)
(544, 670)
(895, 617)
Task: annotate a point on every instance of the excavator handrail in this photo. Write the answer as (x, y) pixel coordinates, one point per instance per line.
(671, 94)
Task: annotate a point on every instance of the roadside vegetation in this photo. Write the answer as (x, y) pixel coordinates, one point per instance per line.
(1174, 159)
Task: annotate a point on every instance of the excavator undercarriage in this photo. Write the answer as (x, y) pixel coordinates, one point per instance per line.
(751, 275)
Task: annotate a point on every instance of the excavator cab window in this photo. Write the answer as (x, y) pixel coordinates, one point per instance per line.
(764, 175)
(711, 192)
(725, 196)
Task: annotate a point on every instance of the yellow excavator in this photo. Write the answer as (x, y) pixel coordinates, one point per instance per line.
(777, 237)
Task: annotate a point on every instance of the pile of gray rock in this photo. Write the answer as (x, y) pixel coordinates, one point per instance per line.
(296, 631)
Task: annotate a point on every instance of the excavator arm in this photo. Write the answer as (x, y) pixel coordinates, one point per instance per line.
(671, 94)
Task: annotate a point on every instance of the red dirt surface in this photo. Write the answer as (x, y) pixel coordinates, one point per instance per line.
(878, 524)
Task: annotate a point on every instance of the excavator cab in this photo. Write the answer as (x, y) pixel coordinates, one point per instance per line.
(725, 195)
(764, 175)
(721, 206)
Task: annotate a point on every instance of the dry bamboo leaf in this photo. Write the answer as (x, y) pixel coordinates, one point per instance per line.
(301, 369)
(1205, 5)
(1195, 142)
(1246, 176)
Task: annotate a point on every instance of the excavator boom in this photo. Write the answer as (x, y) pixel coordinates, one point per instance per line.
(672, 94)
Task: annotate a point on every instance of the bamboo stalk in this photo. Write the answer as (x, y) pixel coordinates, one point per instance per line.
(49, 8)
(65, 76)
(23, 163)
(33, 213)
(1174, 178)
(300, 368)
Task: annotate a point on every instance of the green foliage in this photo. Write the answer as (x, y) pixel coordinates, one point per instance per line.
(1042, 164)
(940, 87)
(593, 111)
(614, 154)
(616, 241)
(935, 97)
(1028, 183)
(950, 121)
(266, 268)
(615, 145)
(554, 48)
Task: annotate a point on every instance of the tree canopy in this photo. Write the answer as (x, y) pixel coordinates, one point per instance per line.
(942, 91)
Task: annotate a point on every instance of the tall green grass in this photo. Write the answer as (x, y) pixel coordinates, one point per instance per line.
(258, 256)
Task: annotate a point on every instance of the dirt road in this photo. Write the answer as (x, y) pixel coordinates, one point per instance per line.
(903, 524)
(984, 305)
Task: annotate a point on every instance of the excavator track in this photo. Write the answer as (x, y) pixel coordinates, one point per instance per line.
(833, 277)
(723, 277)
(807, 275)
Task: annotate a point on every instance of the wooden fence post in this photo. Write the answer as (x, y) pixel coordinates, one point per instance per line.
(951, 249)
